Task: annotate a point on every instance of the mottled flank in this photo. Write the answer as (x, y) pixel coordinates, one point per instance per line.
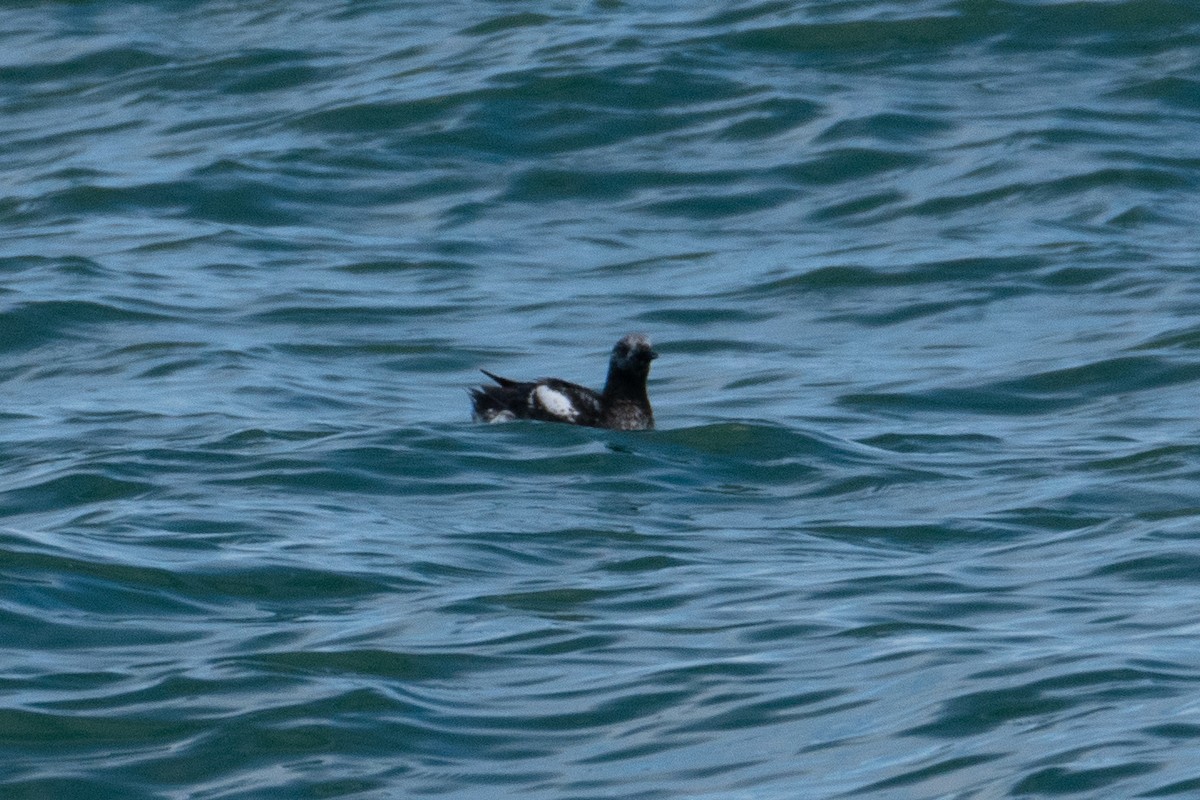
(623, 403)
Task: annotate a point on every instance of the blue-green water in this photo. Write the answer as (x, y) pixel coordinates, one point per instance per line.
(920, 518)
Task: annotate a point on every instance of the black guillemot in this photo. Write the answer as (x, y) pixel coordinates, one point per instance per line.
(622, 405)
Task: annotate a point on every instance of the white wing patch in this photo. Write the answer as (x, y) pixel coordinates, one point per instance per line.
(556, 403)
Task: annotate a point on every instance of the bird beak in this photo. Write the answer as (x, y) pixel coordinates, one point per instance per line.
(653, 355)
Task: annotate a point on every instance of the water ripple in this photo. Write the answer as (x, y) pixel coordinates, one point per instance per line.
(918, 519)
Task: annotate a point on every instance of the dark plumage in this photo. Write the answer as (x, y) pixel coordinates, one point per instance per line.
(623, 403)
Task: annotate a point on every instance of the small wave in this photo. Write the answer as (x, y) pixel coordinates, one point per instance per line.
(245, 200)
(1041, 392)
(974, 713)
(45, 322)
(77, 488)
(100, 64)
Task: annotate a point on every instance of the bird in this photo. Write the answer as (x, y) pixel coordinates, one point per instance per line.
(622, 405)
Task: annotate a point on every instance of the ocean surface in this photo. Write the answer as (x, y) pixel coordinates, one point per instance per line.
(921, 515)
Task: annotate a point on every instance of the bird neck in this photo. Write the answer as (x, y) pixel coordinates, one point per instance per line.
(624, 385)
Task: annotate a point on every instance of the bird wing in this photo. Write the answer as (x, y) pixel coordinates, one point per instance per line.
(567, 401)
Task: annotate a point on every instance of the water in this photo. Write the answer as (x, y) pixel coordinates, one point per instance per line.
(920, 517)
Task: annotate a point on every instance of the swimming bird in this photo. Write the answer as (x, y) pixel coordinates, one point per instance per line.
(622, 404)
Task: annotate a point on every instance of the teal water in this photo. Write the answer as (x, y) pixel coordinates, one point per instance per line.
(920, 517)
